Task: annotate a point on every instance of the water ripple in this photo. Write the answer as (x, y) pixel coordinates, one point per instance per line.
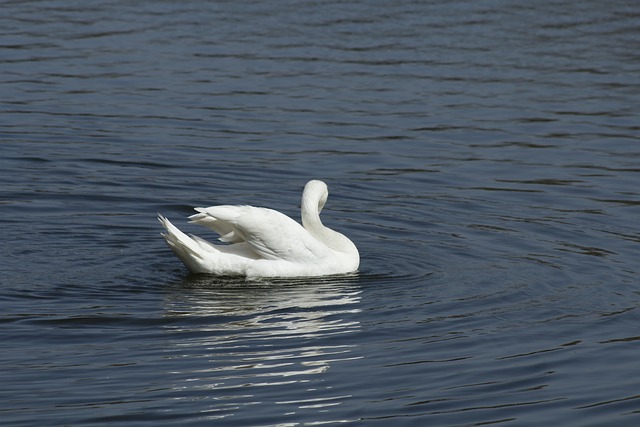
(260, 334)
(484, 159)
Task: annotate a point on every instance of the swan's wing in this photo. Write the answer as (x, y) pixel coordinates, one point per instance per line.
(223, 228)
(271, 234)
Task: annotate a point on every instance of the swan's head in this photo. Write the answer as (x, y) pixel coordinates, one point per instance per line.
(315, 192)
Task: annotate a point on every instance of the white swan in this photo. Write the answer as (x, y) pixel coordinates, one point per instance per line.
(264, 242)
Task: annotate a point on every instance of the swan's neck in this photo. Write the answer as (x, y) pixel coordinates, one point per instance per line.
(311, 218)
(312, 223)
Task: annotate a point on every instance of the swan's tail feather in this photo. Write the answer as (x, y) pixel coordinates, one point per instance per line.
(208, 246)
(186, 248)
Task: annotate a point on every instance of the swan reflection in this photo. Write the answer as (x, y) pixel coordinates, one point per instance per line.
(237, 343)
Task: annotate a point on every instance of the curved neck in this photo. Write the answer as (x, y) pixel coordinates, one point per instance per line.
(311, 217)
(311, 208)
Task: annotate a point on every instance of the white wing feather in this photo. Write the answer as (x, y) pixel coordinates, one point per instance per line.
(281, 239)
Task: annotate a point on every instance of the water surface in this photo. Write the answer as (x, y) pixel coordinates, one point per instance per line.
(483, 156)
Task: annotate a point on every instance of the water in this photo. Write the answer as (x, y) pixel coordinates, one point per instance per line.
(483, 155)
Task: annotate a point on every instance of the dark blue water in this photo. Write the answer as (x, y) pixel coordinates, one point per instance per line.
(484, 156)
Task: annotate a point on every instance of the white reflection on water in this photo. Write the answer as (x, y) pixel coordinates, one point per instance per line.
(237, 343)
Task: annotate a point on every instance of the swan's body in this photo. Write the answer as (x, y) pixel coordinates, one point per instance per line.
(265, 243)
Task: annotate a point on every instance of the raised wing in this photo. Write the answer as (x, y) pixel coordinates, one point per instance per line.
(271, 234)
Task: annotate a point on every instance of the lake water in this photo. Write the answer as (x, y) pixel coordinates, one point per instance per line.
(484, 156)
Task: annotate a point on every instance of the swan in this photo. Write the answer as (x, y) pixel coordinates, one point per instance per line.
(263, 242)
